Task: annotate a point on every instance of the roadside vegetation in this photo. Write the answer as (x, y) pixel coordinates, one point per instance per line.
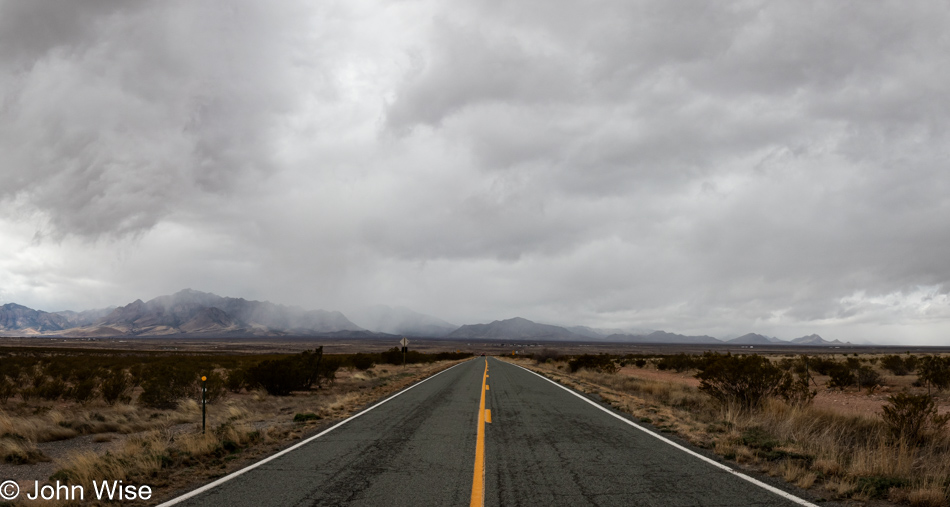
(760, 412)
(145, 407)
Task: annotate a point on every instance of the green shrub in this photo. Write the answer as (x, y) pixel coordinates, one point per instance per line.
(116, 387)
(279, 377)
(911, 362)
(215, 389)
(362, 361)
(742, 380)
(8, 388)
(913, 417)
(306, 416)
(595, 362)
(679, 362)
(236, 380)
(821, 365)
(301, 372)
(391, 356)
(83, 390)
(329, 368)
(841, 376)
(868, 378)
(312, 366)
(544, 355)
(895, 364)
(51, 390)
(796, 389)
(934, 372)
(165, 383)
(878, 486)
(758, 438)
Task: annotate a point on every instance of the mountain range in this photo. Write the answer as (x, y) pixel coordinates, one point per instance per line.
(193, 313)
(515, 329)
(661, 337)
(185, 312)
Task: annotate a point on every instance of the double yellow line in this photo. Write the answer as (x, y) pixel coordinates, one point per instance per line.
(478, 478)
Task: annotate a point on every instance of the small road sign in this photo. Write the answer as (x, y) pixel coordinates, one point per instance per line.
(404, 342)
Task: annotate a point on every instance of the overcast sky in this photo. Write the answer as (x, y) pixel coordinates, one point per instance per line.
(698, 167)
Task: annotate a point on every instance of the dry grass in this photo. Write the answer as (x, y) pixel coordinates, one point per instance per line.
(849, 455)
(18, 451)
(928, 496)
(45, 422)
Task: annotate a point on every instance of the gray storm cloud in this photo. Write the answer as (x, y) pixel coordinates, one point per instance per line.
(116, 114)
(721, 168)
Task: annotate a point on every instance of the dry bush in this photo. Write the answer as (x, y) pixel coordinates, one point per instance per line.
(602, 363)
(546, 355)
(913, 417)
(743, 380)
(117, 387)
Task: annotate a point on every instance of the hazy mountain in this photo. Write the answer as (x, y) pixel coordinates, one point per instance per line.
(209, 319)
(185, 312)
(588, 332)
(191, 311)
(514, 329)
(84, 318)
(814, 339)
(602, 333)
(751, 339)
(401, 321)
(661, 337)
(14, 317)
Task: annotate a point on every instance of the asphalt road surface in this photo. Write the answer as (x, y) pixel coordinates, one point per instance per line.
(539, 445)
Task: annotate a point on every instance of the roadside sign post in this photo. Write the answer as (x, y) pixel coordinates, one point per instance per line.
(204, 389)
(405, 347)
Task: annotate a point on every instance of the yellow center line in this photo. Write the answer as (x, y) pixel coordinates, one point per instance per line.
(478, 478)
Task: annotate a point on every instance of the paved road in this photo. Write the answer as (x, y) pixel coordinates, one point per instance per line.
(543, 446)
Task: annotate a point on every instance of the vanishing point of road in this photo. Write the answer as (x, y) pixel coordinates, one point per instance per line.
(486, 432)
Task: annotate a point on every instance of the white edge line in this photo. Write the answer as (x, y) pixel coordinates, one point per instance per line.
(741, 475)
(248, 468)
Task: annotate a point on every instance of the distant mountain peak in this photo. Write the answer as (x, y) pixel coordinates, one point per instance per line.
(662, 337)
(517, 328)
(814, 339)
(751, 339)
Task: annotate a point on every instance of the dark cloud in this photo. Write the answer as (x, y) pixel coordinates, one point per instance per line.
(116, 115)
